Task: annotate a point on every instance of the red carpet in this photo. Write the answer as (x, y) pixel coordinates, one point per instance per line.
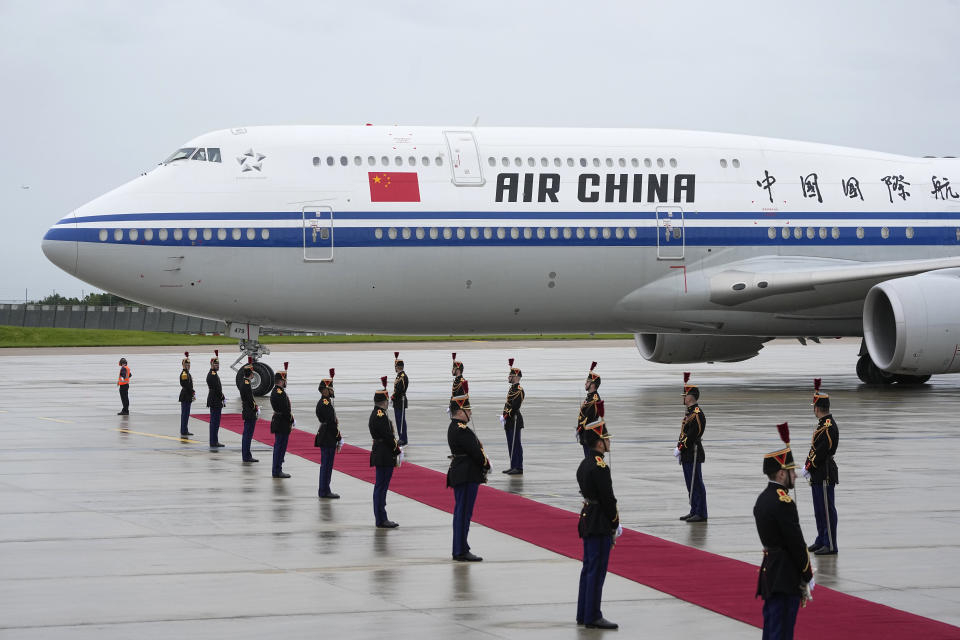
(711, 581)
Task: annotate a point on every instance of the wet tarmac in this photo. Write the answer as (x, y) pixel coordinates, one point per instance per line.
(114, 528)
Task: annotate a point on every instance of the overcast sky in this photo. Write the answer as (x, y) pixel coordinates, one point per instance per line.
(92, 93)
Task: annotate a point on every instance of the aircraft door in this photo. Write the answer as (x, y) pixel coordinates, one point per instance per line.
(318, 234)
(671, 239)
(464, 158)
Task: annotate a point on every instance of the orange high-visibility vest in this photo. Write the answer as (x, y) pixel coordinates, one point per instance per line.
(124, 379)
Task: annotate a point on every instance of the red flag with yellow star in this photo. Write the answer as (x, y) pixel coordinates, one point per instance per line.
(394, 186)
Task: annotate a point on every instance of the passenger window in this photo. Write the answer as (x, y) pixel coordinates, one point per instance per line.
(487, 233)
(343, 161)
(434, 233)
(425, 161)
(439, 161)
(329, 161)
(398, 161)
(221, 234)
(208, 234)
(178, 234)
(412, 161)
(148, 234)
(385, 161)
(371, 160)
(213, 154)
(357, 160)
(492, 161)
(163, 234)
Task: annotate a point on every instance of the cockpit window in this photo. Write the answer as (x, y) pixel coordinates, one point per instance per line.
(180, 154)
(210, 154)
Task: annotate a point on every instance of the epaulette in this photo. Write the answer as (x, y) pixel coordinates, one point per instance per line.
(462, 425)
(184, 375)
(214, 372)
(380, 413)
(600, 462)
(325, 401)
(696, 409)
(784, 496)
(279, 392)
(246, 382)
(827, 422)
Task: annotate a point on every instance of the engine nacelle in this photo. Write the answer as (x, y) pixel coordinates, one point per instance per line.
(679, 348)
(912, 325)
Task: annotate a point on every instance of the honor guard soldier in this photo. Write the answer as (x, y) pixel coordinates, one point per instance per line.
(384, 455)
(591, 408)
(512, 420)
(786, 577)
(187, 395)
(458, 381)
(250, 412)
(123, 383)
(468, 469)
(215, 399)
(821, 470)
(400, 385)
(282, 422)
(599, 524)
(328, 438)
(689, 451)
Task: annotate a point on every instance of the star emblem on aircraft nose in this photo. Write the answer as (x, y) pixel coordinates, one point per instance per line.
(251, 160)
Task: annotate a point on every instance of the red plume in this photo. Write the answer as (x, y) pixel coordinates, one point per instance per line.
(331, 374)
(510, 362)
(249, 359)
(600, 409)
(383, 381)
(396, 354)
(816, 384)
(465, 387)
(286, 365)
(186, 354)
(454, 356)
(216, 352)
(686, 377)
(593, 365)
(784, 431)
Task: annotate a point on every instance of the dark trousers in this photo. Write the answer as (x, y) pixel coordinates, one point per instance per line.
(779, 616)
(825, 511)
(596, 556)
(400, 419)
(215, 425)
(125, 397)
(513, 428)
(247, 438)
(327, 455)
(184, 417)
(465, 496)
(279, 450)
(380, 494)
(693, 476)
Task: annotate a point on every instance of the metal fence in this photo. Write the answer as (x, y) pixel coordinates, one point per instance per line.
(112, 317)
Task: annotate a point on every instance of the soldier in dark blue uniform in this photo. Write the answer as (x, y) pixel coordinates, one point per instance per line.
(215, 399)
(690, 451)
(512, 420)
(468, 470)
(599, 524)
(400, 385)
(457, 373)
(591, 408)
(821, 470)
(328, 438)
(250, 412)
(384, 454)
(187, 395)
(282, 422)
(786, 577)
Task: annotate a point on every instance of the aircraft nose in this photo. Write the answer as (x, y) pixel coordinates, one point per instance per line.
(60, 245)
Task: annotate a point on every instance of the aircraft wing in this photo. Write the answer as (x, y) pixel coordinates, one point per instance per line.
(762, 277)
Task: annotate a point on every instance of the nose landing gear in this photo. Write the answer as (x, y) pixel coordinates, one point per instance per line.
(262, 380)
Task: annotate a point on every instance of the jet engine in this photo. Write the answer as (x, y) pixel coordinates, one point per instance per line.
(680, 348)
(912, 325)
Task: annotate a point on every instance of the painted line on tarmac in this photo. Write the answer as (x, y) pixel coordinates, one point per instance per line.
(55, 420)
(157, 435)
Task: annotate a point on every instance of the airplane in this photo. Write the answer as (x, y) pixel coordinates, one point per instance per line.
(703, 245)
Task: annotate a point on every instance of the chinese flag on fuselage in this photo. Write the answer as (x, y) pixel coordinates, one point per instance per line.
(394, 186)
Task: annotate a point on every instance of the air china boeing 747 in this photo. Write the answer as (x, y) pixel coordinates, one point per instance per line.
(703, 245)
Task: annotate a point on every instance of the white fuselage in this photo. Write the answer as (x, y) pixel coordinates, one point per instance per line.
(513, 230)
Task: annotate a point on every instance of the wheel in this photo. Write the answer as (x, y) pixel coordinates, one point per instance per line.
(262, 379)
(862, 368)
(907, 379)
(874, 375)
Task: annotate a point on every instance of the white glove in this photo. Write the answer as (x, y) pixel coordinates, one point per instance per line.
(400, 457)
(258, 411)
(805, 473)
(676, 452)
(619, 531)
(447, 409)
(340, 444)
(811, 585)
(503, 421)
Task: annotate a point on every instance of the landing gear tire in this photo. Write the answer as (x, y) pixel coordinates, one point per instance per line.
(905, 379)
(262, 379)
(869, 373)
